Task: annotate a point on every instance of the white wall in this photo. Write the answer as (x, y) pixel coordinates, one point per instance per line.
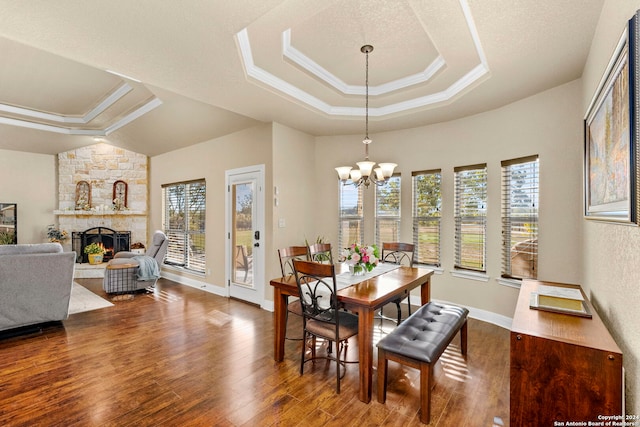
(612, 251)
(30, 181)
(547, 124)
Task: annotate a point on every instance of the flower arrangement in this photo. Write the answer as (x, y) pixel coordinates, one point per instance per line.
(56, 235)
(361, 258)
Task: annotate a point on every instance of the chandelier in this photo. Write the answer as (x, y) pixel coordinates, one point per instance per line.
(366, 169)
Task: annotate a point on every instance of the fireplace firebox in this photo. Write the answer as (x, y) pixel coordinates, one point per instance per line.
(113, 242)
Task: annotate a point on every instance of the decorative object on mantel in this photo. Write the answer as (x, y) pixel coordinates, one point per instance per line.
(361, 259)
(138, 248)
(95, 252)
(56, 235)
(83, 196)
(119, 195)
(362, 175)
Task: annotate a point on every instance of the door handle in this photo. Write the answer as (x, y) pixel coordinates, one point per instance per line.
(256, 235)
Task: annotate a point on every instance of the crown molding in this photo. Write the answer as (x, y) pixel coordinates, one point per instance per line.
(138, 112)
(259, 74)
(323, 74)
(107, 102)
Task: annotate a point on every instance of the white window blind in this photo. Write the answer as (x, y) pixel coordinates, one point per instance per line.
(520, 184)
(427, 201)
(184, 224)
(351, 216)
(470, 217)
(388, 211)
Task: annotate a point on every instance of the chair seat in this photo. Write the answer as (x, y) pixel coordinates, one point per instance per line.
(295, 307)
(348, 327)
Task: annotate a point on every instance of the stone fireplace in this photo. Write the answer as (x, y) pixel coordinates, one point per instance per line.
(101, 166)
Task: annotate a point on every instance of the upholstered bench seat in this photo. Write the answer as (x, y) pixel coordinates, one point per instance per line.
(419, 342)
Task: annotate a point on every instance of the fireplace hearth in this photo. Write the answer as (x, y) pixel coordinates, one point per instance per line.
(112, 240)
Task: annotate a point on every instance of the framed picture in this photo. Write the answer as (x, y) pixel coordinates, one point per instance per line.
(610, 138)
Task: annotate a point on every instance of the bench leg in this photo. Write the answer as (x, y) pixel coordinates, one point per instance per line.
(383, 365)
(463, 339)
(426, 374)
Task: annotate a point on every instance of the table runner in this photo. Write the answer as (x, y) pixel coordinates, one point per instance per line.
(346, 279)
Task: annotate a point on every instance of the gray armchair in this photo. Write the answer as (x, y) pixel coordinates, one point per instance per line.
(128, 271)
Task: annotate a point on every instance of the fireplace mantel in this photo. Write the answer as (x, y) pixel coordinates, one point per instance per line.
(99, 213)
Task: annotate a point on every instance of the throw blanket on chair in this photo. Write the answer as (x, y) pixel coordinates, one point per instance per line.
(148, 268)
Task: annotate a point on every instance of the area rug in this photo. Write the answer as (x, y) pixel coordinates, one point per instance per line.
(83, 300)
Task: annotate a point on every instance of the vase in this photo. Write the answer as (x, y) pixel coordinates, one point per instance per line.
(95, 259)
(356, 270)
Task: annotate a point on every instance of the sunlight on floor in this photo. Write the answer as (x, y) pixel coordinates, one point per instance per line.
(454, 365)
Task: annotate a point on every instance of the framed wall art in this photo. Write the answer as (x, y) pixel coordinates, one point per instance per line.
(610, 168)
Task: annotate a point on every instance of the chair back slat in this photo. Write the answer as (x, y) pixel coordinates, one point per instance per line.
(317, 290)
(320, 252)
(288, 254)
(398, 253)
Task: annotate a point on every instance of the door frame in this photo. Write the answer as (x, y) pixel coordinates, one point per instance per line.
(259, 254)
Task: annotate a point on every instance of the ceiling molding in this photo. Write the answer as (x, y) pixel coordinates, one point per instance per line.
(138, 112)
(114, 97)
(455, 89)
(317, 70)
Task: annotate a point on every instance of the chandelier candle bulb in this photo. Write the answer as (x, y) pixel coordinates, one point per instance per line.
(343, 172)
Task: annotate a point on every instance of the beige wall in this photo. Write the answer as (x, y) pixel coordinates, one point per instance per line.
(210, 160)
(294, 176)
(612, 251)
(547, 124)
(30, 181)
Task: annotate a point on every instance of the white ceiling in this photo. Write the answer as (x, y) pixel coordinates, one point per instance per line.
(212, 67)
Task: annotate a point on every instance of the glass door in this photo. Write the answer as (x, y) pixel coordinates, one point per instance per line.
(245, 224)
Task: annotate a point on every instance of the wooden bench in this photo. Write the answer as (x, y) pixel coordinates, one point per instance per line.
(419, 342)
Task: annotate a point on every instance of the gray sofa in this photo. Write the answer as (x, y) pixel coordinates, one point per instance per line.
(35, 284)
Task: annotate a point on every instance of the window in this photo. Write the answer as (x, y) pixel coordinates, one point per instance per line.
(470, 217)
(351, 216)
(183, 221)
(388, 211)
(520, 183)
(427, 201)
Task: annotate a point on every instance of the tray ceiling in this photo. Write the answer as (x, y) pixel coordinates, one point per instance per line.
(206, 69)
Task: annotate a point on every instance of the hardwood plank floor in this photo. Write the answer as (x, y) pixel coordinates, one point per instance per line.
(184, 357)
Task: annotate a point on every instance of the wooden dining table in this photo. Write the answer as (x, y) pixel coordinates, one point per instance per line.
(363, 298)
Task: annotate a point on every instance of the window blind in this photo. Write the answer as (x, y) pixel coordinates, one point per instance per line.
(520, 188)
(388, 211)
(470, 217)
(427, 201)
(350, 216)
(183, 222)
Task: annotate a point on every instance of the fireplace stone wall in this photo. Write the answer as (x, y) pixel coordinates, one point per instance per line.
(101, 165)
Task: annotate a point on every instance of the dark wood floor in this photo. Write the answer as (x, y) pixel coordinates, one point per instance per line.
(184, 357)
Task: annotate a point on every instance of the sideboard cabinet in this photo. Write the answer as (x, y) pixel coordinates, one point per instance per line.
(564, 368)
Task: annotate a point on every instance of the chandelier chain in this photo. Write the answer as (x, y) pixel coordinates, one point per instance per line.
(366, 105)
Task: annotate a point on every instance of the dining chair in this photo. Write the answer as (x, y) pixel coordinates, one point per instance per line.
(321, 252)
(401, 254)
(287, 255)
(321, 314)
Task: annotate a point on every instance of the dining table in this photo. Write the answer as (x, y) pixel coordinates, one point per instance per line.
(362, 295)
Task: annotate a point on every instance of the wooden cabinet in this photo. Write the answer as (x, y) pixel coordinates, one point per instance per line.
(564, 368)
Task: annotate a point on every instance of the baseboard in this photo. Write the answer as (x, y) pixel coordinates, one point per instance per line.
(194, 283)
(484, 315)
